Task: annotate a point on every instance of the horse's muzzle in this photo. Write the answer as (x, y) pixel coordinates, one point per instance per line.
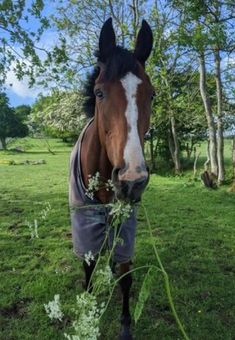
(129, 190)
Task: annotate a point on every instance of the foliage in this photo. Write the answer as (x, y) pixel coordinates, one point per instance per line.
(59, 115)
(144, 293)
(18, 42)
(23, 112)
(11, 124)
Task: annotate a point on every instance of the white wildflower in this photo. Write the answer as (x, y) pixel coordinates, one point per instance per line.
(33, 229)
(105, 276)
(36, 228)
(72, 337)
(93, 185)
(53, 308)
(88, 315)
(45, 211)
(30, 229)
(109, 185)
(120, 211)
(89, 257)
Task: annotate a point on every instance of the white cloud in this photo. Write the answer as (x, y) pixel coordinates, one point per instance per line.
(21, 87)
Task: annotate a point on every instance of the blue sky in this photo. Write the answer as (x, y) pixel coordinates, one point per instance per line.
(16, 100)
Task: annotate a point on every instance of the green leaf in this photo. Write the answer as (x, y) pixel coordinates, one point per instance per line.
(144, 293)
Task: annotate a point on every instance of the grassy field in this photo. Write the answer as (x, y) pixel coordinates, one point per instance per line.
(193, 228)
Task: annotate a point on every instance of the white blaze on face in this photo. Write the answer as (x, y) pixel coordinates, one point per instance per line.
(133, 153)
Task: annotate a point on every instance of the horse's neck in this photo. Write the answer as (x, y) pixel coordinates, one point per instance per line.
(94, 159)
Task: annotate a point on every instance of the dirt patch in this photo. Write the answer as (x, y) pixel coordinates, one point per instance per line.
(17, 309)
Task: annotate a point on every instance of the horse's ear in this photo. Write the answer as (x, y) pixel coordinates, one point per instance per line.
(107, 41)
(144, 43)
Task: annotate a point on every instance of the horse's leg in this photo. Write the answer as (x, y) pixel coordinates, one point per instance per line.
(88, 272)
(125, 284)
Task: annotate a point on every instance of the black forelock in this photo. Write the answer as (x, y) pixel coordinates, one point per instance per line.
(120, 62)
(88, 93)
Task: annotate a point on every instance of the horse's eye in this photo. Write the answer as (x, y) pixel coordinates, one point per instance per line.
(153, 95)
(99, 94)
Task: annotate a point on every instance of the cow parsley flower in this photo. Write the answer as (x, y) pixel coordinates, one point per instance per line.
(33, 228)
(105, 275)
(72, 337)
(109, 185)
(89, 257)
(120, 212)
(45, 211)
(93, 185)
(53, 308)
(88, 316)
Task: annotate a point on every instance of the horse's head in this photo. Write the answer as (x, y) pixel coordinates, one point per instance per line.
(123, 105)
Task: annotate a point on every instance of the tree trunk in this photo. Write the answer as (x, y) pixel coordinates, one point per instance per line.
(174, 146)
(208, 156)
(220, 136)
(4, 144)
(188, 151)
(209, 115)
(232, 189)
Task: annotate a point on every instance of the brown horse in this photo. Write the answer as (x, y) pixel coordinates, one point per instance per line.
(119, 95)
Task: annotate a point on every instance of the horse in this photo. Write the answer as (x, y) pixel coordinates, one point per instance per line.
(118, 101)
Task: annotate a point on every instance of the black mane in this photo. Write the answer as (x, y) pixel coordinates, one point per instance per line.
(117, 66)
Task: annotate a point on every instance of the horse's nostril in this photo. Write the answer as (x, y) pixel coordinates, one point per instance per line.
(116, 170)
(115, 174)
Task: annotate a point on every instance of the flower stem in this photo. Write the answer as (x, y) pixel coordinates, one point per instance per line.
(166, 278)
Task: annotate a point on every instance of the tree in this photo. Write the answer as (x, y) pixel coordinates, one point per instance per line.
(177, 110)
(19, 42)
(23, 112)
(10, 124)
(208, 32)
(58, 115)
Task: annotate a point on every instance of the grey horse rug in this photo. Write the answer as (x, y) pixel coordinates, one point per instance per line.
(89, 218)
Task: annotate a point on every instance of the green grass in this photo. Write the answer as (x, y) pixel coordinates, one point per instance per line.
(194, 233)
